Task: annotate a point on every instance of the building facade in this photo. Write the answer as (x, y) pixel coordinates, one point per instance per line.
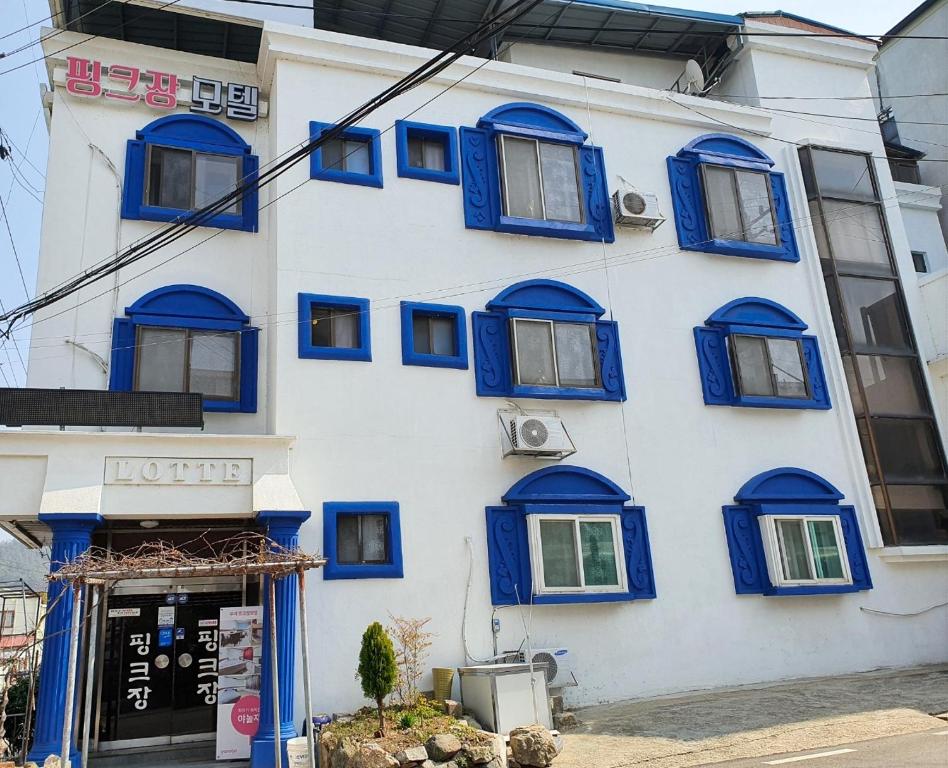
(759, 469)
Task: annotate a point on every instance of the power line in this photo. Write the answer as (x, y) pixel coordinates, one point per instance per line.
(19, 266)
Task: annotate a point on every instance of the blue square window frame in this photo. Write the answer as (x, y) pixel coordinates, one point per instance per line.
(371, 136)
(332, 511)
(690, 207)
(409, 309)
(308, 350)
(446, 134)
(198, 134)
(754, 316)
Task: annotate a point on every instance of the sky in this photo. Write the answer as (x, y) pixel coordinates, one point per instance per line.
(22, 177)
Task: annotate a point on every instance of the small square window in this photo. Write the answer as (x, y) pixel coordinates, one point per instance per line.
(805, 550)
(355, 157)
(576, 553)
(920, 260)
(769, 367)
(362, 540)
(427, 152)
(555, 354)
(334, 327)
(434, 335)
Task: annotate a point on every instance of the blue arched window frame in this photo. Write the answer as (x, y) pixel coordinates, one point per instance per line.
(563, 490)
(186, 306)
(481, 182)
(199, 134)
(754, 316)
(544, 300)
(691, 209)
(788, 492)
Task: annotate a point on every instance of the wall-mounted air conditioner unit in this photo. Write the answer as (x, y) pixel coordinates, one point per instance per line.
(555, 662)
(541, 436)
(636, 209)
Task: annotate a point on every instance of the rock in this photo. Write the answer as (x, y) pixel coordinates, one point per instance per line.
(473, 723)
(533, 745)
(52, 761)
(564, 721)
(443, 746)
(372, 756)
(556, 704)
(481, 754)
(453, 708)
(343, 754)
(412, 755)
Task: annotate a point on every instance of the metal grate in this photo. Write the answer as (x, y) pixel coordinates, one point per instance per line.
(95, 408)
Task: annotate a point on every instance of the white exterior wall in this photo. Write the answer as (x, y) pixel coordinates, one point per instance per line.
(421, 437)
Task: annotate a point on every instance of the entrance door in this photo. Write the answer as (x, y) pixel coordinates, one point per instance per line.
(159, 683)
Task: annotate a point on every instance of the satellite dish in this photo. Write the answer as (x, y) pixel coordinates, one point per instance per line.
(693, 77)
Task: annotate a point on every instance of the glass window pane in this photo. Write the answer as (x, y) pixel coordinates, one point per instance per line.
(862, 427)
(434, 154)
(421, 339)
(347, 539)
(321, 326)
(169, 178)
(575, 358)
(560, 186)
(893, 385)
(786, 362)
(442, 335)
(162, 354)
(214, 364)
(753, 370)
(793, 554)
(416, 152)
(357, 158)
(825, 548)
(721, 199)
(521, 179)
(856, 235)
(907, 449)
(874, 313)
(920, 512)
(345, 328)
(331, 155)
(843, 174)
(852, 384)
(374, 538)
(758, 216)
(558, 545)
(599, 554)
(535, 353)
(214, 177)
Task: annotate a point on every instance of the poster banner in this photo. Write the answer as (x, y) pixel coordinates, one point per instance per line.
(238, 690)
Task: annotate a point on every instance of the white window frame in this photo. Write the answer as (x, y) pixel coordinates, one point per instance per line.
(536, 555)
(556, 366)
(774, 555)
(503, 178)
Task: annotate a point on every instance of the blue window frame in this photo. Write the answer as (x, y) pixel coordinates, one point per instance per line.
(362, 540)
(752, 352)
(529, 137)
(170, 331)
(608, 567)
(516, 352)
(334, 327)
(188, 142)
(728, 200)
(789, 535)
(427, 152)
(354, 157)
(433, 335)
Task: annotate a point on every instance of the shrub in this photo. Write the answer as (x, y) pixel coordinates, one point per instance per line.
(412, 642)
(377, 669)
(407, 720)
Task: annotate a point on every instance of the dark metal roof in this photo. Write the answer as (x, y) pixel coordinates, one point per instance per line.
(164, 28)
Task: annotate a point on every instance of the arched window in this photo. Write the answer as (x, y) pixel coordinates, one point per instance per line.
(182, 163)
(185, 338)
(565, 535)
(545, 339)
(752, 352)
(789, 535)
(727, 200)
(528, 171)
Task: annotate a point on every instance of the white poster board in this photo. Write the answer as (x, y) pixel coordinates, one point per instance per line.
(238, 682)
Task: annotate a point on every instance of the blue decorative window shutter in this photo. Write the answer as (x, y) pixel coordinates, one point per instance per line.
(638, 555)
(492, 372)
(748, 563)
(122, 367)
(595, 194)
(687, 203)
(508, 556)
(858, 565)
(610, 359)
(788, 238)
(811, 354)
(480, 183)
(248, 373)
(714, 366)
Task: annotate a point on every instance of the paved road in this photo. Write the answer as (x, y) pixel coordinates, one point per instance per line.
(928, 749)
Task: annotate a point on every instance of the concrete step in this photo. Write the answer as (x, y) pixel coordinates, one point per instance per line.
(193, 755)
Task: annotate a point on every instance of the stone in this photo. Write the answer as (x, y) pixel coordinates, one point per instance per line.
(480, 754)
(473, 723)
(412, 755)
(453, 708)
(52, 761)
(343, 754)
(556, 704)
(533, 745)
(442, 746)
(372, 756)
(564, 721)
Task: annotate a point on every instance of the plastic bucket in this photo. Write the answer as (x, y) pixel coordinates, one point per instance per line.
(443, 678)
(297, 753)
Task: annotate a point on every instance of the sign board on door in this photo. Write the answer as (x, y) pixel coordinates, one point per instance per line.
(124, 613)
(240, 637)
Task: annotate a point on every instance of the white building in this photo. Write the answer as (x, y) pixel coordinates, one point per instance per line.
(355, 322)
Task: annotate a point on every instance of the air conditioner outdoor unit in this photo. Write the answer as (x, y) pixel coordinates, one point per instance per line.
(539, 436)
(636, 209)
(555, 661)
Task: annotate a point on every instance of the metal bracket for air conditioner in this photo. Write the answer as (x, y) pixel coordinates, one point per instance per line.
(507, 447)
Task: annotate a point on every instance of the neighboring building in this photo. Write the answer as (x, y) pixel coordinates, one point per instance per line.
(759, 470)
(21, 630)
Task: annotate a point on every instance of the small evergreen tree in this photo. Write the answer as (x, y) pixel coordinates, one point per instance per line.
(377, 668)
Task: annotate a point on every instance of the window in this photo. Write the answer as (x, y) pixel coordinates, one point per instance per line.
(544, 339)
(362, 540)
(427, 152)
(920, 260)
(528, 171)
(186, 338)
(789, 535)
(334, 327)
(183, 163)
(355, 157)
(904, 170)
(752, 352)
(566, 535)
(6, 621)
(573, 553)
(728, 200)
(433, 335)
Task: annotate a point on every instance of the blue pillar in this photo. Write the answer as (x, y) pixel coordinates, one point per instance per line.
(284, 529)
(72, 535)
